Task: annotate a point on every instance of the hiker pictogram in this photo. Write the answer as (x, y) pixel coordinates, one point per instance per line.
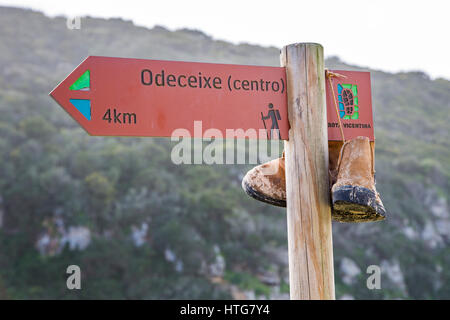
(273, 114)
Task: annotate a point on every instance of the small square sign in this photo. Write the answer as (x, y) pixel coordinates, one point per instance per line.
(350, 101)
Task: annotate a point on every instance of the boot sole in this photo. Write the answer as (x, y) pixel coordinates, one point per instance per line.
(261, 197)
(356, 204)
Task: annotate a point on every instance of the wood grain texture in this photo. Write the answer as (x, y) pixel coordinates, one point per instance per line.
(311, 271)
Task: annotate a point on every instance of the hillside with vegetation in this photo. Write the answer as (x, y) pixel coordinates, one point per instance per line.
(141, 227)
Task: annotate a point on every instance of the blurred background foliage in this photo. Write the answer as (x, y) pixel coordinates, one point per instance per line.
(141, 227)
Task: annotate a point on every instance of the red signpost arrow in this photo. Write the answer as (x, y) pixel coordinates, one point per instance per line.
(153, 98)
(134, 97)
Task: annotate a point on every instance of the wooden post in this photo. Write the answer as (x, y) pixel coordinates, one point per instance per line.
(311, 271)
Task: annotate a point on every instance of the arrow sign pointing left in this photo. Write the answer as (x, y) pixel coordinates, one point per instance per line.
(136, 97)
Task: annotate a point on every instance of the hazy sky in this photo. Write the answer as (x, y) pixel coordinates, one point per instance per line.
(394, 35)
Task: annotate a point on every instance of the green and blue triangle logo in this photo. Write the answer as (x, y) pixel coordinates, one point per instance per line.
(83, 105)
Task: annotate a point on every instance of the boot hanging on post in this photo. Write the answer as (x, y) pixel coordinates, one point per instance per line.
(354, 196)
(267, 182)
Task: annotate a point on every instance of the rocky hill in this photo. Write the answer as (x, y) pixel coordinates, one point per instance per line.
(141, 227)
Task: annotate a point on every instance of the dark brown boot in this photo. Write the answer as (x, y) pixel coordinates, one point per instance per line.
(267, 182)
(270, 186)
(354, 196)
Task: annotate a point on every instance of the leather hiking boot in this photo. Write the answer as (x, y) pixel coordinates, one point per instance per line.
(267, 182)
(354, 196)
